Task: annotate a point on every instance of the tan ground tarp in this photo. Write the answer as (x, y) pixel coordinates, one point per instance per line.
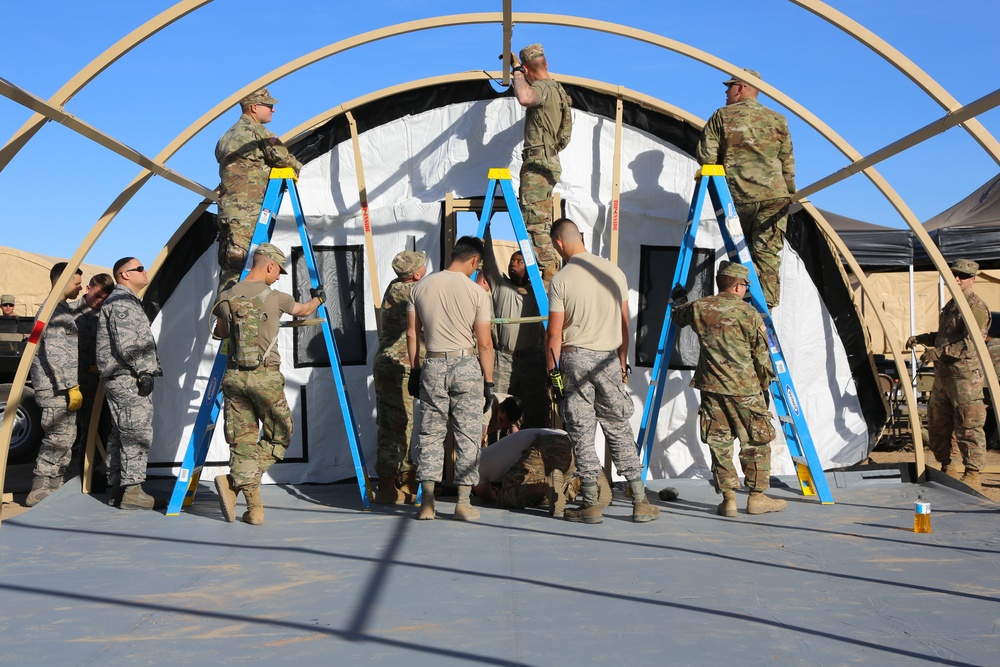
(26, 276)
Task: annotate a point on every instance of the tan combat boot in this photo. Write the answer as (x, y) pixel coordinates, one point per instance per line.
(464, 511)
(41, 488)
(758, 503)
(559, 490)
(951, 470)
(134, 498)
(642, 509)
(727, 507)
(971, 480)
(604, 496)
(408, 485)
(387, 493)
(427, 502)
(255, 508)
(589, 511)
(227, 496)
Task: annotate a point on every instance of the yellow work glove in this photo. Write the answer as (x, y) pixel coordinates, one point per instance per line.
(75, 398)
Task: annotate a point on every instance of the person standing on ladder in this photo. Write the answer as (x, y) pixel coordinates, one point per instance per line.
(733, 375)
(397, 476)
(956, 409)
(548, 125)
(253, 387)
(752, 142)
(246, 153)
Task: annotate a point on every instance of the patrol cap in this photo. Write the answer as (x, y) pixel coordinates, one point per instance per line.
(272, 253)
(258, 97)
(7, 300)
(734, 79)
(531, 52)
(733, 269)
(406, 263)
(964, 266)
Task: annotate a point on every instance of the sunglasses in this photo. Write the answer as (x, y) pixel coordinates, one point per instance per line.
(139, 268)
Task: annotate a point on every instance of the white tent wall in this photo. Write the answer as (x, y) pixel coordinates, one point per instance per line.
(410, 163)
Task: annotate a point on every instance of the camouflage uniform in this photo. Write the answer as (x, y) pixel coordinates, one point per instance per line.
(734, 369)
(246, 153)
(547, 129)
(391, 371)
(755, 147)
(126, 348)
(255, 399)
(451, 392)
(53, 372)
(956, 409)
(526, 483)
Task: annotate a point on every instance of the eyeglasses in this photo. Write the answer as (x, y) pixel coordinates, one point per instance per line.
(269, 106)
(747, 283)
(139, 268)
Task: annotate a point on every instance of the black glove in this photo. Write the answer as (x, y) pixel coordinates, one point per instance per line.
(489, 395)
(679, 295)
(558, 389)
(145, 382)
(318, 292)
(413, 384)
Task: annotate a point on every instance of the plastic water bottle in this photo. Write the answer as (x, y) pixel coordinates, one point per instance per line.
(922, 516)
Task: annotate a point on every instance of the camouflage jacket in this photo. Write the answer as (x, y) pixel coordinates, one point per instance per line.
(549, 124)
(246, 154)
(392, 340)
(125, 344)
(734, 358)
(753, 144)
(956, 352)
(54, 367)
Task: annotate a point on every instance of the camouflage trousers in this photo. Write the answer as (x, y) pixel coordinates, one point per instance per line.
(538, 177)
(526, 483)
(764, 224)
(59, 434)
(524, 376)
(131, 431)
(956, 411)
(595, 393)
(393, 417)
(747, 419)
(253, 399)
(451, 393)
(235, 235)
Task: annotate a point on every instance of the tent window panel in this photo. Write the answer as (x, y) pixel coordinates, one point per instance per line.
(341, 270)
(656, 274)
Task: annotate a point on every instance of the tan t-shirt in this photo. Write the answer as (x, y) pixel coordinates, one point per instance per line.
(590, 291)
(275, 304)
(448, 304)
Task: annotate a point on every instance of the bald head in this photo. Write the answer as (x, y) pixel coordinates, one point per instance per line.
(566, 238)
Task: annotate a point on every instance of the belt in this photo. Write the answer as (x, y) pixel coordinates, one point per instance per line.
(570, 349)
(519, 354)
(451, 355)
(538, 151)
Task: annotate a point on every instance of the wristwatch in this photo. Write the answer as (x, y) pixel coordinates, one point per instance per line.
(519, 68)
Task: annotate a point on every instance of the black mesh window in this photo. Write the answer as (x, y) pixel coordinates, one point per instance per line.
(341, 270)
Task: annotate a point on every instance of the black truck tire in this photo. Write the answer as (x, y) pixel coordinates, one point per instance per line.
(26, 437)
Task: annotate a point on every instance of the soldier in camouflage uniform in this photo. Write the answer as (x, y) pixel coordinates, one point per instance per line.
(454, 315)
(397, 479)
(86, 315)
(255, 396)
(588, 335)
(755, 147)
(56, 383)
(126, 357)
(548, 125)
(733, 375)
(519, 363)
(516, 471)
(246, 153)
(956, 410)
(7, 305)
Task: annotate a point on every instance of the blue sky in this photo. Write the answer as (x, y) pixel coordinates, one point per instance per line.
(61, 183)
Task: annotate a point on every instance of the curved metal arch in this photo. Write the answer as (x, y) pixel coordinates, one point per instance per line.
(906, 66)
(80, 80)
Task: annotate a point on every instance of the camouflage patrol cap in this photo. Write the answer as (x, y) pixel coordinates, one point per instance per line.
(531, 52)
(965, 266)
(734, 79)
(733, 269)
(272, 253)
(258, 97)
(406, 263)
(7, 300)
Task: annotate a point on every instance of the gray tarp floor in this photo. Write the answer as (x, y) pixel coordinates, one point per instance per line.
(324, 583)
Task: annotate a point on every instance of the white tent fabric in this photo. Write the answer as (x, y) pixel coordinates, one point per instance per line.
(410, 164)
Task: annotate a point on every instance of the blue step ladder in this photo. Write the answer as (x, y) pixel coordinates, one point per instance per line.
(712, 182)
(282, 182)
(499, 177)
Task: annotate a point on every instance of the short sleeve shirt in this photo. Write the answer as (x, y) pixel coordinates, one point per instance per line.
(449, 304)
(590, 290)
